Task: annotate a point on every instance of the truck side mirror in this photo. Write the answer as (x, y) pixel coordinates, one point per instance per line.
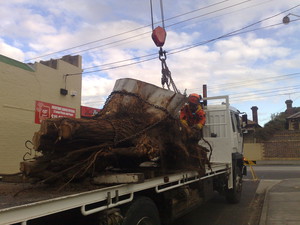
(244, 120)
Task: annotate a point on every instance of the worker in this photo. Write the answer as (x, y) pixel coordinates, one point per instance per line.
(192, 115)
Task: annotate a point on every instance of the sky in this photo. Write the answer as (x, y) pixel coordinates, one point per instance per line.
(239, 48)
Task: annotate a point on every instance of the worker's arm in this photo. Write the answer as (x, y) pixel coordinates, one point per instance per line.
(202, 119)
(184, 122)
(183, 116)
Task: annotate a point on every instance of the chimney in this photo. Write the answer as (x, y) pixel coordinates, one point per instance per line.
(74, 60)
(289, 108)
(254, 114)
(51, 63)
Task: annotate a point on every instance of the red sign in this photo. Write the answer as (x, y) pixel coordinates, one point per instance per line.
(88, 111)
(44, 110)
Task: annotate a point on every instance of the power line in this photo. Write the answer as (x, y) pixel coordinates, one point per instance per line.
(251, 82)
(110, 43)
(174, 24)
(148, 32)
(174, 51)
(125, 60)
(230, 34)
(237, 31)
(245, 96)
(123, 41)
(126, 32)
(266, 91)
(206, 7)
(143, 34)
(115, 67)
(196, 17)
(261, 94)
(242, 99)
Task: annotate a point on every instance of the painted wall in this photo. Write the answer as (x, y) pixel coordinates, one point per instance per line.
(253, 151)
(19, 89)
(284, 145)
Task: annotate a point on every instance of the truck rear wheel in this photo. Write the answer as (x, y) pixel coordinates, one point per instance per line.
(234, 195)
(142, 211)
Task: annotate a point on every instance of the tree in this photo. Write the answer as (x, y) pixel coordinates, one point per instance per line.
(277, 123)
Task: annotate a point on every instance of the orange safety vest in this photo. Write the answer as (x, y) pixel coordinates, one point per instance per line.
(189, 118)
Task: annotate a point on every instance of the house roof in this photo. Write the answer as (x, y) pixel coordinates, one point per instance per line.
(15, 63)
(295, 115)
(252, 124)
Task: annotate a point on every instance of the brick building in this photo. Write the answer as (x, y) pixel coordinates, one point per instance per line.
(293, 116)
(285, 144)
(251, 126)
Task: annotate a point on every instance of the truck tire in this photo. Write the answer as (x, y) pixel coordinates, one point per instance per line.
(234, 195)
(142, 211)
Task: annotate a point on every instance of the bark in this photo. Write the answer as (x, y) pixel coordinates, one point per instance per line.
(128, 131)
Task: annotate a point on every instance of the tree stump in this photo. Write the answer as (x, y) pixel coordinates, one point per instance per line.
(139, 122)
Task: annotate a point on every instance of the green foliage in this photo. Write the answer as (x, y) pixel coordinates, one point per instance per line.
(277, 123)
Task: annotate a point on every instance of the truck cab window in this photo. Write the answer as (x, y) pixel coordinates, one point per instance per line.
(233, 122)
(238, 123)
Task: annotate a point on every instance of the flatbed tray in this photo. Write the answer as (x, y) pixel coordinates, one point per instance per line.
(17, 194)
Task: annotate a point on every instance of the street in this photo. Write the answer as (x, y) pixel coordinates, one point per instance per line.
(218, 212)
(276, 172)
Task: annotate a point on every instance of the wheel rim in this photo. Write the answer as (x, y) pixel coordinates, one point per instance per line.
(145, 221)
(238, 184)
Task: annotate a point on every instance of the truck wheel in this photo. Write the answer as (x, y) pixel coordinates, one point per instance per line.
(234, 195)
(142, 211)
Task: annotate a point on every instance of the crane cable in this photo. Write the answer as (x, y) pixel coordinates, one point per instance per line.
(159, 37)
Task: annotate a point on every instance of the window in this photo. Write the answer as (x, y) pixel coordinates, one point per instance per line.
(233, 121)
(236, 123)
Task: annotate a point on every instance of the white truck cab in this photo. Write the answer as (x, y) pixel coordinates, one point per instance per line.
(223, 132)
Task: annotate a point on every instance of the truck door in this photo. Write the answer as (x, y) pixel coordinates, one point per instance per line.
(237, 132)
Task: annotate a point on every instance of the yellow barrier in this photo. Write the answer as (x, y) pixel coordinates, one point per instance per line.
(250, 163)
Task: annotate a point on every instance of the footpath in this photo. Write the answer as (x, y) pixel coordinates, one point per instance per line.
(282, 201)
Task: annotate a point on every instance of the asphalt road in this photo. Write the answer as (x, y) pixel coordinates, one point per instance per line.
(276, 172)
(218, 212)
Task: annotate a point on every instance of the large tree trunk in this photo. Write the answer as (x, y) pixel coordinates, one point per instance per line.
(138, 123)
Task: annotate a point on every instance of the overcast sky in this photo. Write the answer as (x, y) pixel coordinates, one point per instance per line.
(238, 48)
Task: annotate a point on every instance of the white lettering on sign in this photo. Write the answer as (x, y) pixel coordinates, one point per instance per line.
(44, 110)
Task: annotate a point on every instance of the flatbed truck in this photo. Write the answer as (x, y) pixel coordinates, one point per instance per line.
(158, 199)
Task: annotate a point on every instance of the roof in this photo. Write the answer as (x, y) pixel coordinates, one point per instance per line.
(294, 116)
(15, 63)
(251, 124)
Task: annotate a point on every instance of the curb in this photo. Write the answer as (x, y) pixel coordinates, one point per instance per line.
(264, 212)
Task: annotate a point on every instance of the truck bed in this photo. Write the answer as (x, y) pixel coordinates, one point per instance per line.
(23, 201)
(16, 194)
